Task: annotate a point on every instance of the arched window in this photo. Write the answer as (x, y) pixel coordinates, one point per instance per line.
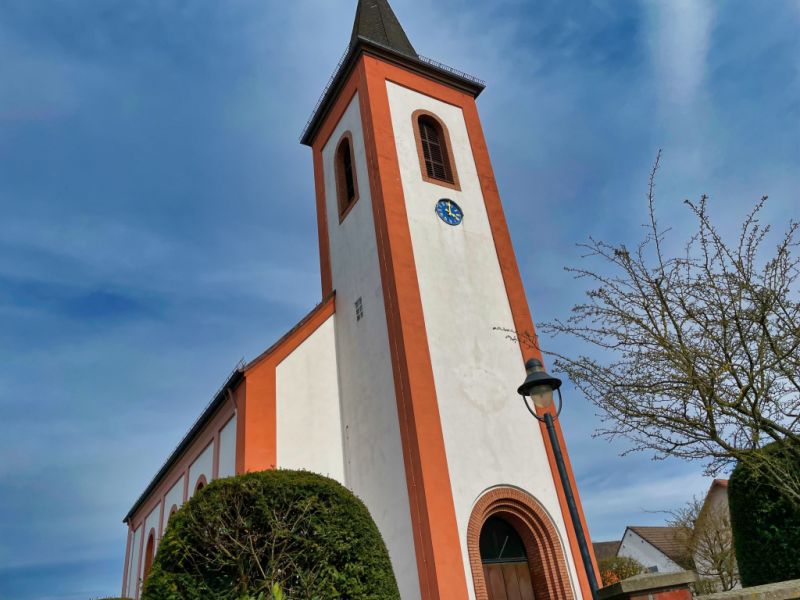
(435, 154)
(201, 483)
(149, 552)
(500, 542)
(346, 181)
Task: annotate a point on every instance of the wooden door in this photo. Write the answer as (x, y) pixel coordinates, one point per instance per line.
(508, 581)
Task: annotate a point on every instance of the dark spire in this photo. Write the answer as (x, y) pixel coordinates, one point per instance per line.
(376, 22)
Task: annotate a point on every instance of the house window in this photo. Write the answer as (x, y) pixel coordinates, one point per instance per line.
(346, 181)
(435, 154)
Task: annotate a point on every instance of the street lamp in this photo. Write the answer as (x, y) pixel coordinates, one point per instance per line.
(539, 387)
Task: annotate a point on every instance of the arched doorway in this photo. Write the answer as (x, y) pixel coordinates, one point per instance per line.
(505, 563)
(509, 516)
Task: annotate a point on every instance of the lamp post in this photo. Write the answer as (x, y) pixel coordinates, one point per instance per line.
(539, 387)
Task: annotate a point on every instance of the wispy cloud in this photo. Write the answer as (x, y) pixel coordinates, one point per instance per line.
(157, 220)
(681, 39)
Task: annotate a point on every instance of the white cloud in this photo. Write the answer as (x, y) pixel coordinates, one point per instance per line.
(681, 38)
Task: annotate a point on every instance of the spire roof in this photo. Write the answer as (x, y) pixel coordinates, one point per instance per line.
(376, 22)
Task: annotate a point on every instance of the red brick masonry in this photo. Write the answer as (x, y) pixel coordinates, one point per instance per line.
(546, 558)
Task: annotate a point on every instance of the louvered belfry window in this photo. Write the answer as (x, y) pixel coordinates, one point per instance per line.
(437, 160)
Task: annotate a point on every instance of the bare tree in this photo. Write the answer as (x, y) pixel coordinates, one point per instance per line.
(699, 353)
(710, 541)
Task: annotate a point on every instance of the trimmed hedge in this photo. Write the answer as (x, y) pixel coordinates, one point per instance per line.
(308, 533)
(766, 526)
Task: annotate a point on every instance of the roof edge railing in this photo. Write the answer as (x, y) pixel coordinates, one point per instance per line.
(447, 69)
(325, 91)
(340, 65)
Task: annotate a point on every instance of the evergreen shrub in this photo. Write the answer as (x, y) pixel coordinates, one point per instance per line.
(766, 525)
(240, 536)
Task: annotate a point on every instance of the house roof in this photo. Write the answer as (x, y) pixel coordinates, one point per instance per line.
(672, 542)
(603, 550)
(375, 21)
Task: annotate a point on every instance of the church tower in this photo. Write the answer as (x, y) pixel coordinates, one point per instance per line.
(397, 384)
(414, 243)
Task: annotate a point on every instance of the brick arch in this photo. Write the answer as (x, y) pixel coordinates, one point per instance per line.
(546, 558)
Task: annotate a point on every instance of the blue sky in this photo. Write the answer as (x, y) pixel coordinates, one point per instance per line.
(157, 213)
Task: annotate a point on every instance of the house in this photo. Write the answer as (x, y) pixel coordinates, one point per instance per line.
(712, 542)
(658, 549)
(397, 384)
(604, 550)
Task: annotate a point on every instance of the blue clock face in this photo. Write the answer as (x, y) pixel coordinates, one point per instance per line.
(449, 212)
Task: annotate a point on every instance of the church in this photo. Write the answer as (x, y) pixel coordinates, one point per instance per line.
(396, 384)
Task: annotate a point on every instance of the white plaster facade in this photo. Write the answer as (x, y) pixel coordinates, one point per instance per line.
(309, 430)
(227, 449)
(651, 558)
(202, 466)
(134, 555)
(463, 298)
(373, 453)
(174, 497)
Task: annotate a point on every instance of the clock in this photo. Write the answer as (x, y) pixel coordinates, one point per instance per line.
(449, 211)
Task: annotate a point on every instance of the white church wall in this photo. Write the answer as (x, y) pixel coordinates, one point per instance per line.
(227, 449)
(174, 497)
(133, 565)
(634, 546)
(373, 453)
(309, 432)
(202, 465)
(489, 438)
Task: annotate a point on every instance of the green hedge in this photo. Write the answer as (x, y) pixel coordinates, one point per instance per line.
(766, 526)
(239, 536)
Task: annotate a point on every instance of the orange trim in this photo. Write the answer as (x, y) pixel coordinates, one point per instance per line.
(215, 457)
(320, 140)
(322, 226)
(139, 563)
(186, 484)
(423, 446)
(523, 323)
(239, 399)
(256, 425)
(161, 518)
(505, 252)
(439, 558)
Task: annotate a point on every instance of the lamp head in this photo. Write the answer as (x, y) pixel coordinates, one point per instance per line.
(539, 385)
